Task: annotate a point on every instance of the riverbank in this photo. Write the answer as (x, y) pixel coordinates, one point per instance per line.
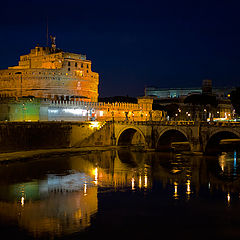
(28, 155)
(8, 157)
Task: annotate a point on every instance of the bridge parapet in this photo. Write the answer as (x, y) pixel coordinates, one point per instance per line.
(158, 123)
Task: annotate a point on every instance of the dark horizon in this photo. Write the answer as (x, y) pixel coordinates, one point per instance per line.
(132, 44)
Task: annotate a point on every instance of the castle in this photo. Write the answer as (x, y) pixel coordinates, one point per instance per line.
(49, 72)
(52, 85)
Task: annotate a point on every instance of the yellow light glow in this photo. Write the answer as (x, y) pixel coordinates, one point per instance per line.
(85, 189)
(222, 161)
(78, 214)
(133, 183)
(22, 201)
(140, 182)
(145, 181)
(188, 187)
(95, 125)
(175, 195)
(95, 173)
(228, 198)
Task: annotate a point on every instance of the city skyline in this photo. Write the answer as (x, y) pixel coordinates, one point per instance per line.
(132, 44)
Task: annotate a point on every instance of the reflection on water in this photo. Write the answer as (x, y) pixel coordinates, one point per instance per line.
(51, 205)
(59, 197)
(229, 164)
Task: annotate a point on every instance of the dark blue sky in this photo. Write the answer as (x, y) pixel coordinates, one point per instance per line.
(132, 44)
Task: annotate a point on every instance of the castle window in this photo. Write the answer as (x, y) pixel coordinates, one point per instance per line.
(81, 65)
(69, 64)
(69, 69)
(87, 65)
(75, 64)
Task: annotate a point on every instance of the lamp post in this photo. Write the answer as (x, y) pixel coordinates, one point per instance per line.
(113, 130)
(112, 116)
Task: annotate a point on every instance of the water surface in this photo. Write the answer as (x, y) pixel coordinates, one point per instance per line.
(121, 194)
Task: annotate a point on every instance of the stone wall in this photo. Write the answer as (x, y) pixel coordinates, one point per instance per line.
(21, 136)
(27, 136)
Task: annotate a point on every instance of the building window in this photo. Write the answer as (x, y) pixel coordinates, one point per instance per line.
(87, 65)
(81, 65)
(69, 69)
(75, 64)
(69, 64)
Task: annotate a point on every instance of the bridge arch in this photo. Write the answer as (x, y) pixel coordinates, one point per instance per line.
(213, 143)
(130, 136)
(169, 135)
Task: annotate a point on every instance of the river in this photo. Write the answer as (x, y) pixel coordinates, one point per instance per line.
(121, 194)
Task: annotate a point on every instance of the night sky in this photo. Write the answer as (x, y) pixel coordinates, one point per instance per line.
(132, 44)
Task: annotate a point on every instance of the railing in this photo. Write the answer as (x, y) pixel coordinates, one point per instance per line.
(180, 123)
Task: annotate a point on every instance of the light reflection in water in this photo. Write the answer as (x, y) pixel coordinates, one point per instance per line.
(175, 195)
(228, 199)
(95, 172)
(133, 181)
(145, 181)
(22, 201)
(140, 182)
(188, 192)
(60, 203)
(229, 164)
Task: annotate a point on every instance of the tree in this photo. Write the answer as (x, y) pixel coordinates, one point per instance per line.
(201, 99)
(235, 100)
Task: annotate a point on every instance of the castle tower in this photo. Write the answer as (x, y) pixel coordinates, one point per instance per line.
(51, 73)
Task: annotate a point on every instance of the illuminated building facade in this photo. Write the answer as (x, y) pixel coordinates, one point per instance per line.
(206, 88)
(35, 109)
(48, 72)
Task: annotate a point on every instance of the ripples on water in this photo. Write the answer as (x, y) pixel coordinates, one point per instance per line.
(122, 194)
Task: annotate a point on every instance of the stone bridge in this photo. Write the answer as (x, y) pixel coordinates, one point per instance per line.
(195, 136)
(200, 136)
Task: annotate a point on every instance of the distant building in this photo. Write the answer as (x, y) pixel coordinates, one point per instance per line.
(170, 92)
(48, 72)
(206, 88)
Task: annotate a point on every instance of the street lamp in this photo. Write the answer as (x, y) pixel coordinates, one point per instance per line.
(113, 130)
(112, 115)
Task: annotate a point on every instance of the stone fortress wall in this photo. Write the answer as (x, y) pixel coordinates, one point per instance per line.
(50, 73)
(35, 109)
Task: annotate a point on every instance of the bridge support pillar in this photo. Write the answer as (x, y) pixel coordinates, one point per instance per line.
(195, 140)
(195, 145)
